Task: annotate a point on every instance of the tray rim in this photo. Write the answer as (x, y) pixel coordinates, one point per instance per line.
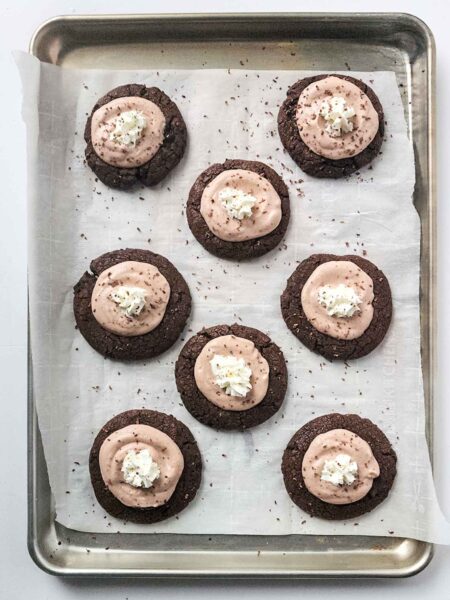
(34, 548)
(224, 16)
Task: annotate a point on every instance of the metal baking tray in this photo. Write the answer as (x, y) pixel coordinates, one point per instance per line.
(325, 42)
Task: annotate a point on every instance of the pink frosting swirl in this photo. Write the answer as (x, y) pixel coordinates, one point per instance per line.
(333, 273)
(266, 212)
(133, 274)
(122, 155)
(231, 345)
(312, 126)
(327, 446)
(163, 450)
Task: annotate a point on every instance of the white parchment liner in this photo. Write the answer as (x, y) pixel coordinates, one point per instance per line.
(74, 218)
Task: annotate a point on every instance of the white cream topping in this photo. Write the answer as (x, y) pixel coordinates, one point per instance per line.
(237, 203)
(128, 128)
(231, 374)
(342, 470)
(338, 116)
(339, 301)
(130, 299)
(139, 469)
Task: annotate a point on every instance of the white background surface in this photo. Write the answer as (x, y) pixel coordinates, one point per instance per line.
(20, 579)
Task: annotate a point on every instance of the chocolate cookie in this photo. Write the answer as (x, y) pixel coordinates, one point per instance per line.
(310, 162)
(208, 413)
(137, 347)
(330, 347)
(236, 250)
(293, 458)
(166, 158)
(187, 485)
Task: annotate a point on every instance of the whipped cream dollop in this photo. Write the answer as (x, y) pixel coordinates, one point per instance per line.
(338, 116)
(237, 203)
(341, 470)
(139, 469)
(339, 301)
(231, 374)
(128, 128)
(130, 299)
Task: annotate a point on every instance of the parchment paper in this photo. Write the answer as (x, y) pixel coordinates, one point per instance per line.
(74, 218)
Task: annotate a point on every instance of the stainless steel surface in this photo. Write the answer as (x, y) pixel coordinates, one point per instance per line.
(326, 42)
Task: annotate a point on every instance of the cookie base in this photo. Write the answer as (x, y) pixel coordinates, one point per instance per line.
(248, 248)
(166, 158)
(330, 347)
(310, 162)
(188, 483)
(153, 343)
(208, 413)
(291, 466)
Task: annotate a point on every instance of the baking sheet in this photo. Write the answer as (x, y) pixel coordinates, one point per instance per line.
(77, 219)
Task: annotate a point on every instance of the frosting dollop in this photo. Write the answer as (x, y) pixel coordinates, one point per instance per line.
(340, 470)
(333, 310)
(128, 127)
(136, 441)
(237, 203)
(139, 469)
(339, 467)
(127, 132)
(339, 301)
(338, 116)
(231, 374)
(243, 352)
(240, 205)
(325, 121)
(130, 298)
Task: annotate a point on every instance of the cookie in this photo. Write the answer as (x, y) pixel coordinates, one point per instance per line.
(311, 162)
(168, 141)
(153, 343)
(188, 482)
(330, 347)
(245, 248)
(292, 466)
(213, 415)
